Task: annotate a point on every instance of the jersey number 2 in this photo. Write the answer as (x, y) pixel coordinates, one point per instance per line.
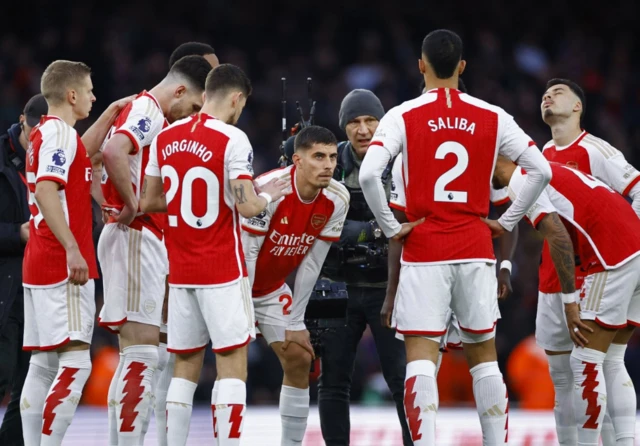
(186, 200)
(287, 304)
(440, 192)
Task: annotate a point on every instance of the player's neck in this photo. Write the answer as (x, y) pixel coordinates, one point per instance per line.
(306, 190)
(163, 96)
(564, 132)
(64, 113)
(432, 82)
(218, 111)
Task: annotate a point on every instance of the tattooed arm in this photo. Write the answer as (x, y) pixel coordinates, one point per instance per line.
(250, 204)
(152, 197)
(562, 253)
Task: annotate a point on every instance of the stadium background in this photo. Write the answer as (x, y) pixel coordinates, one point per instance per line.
(512, 49)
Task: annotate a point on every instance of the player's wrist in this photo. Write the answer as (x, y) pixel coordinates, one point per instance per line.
(506, 264)
(569, 298)
(267, 197)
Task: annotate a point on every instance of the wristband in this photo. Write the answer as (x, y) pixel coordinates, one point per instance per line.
(266, 196)
(568, 298)
(506, 264)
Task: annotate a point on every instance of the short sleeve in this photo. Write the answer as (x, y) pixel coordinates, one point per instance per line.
(512, 140)
(540, 208)
(610, 166)
(240, 157)
(56, 154)
(259, 225)
(143, 123)
(332, 230)
(499, 197)
(390, 133)
(398, 199)
(153, 169)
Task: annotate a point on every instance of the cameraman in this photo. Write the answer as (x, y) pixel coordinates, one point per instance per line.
(360, 260)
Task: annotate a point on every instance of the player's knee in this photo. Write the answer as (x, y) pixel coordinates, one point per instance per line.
(135, 333)
(296, 359)
(232, 364)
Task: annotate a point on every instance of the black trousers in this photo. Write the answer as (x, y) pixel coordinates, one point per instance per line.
(339, 350)
(13, 371)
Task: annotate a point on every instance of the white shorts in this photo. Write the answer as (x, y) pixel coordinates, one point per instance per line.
(55, 316)
(612, 298)
(222, 314)
(551, 324)
(273, 312)
(427, 294)
(134, 267)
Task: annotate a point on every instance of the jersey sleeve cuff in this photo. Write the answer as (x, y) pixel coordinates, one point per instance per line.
(296, 326)
(243, 176)
(505, 200)
(254, 231)
(55, 179)
(397, 207)
(327, 238)
(134, 140)
(538, 219)
(630, 186)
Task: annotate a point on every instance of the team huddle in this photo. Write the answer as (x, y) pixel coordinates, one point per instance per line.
(196, 250)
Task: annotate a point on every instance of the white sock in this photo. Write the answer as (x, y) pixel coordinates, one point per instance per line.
(421, 401)
(492, 403)
(562, 377)
(179, 407)
(294, 411)
(214, 398)
(134, 392)
(589, 394)
(64, 396)
(231, 403)
(607, 433)
(621, 395)
(162, 387)
(112, 403)
(43, 368)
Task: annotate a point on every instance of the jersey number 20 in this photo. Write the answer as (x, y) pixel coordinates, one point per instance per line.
(186, 207)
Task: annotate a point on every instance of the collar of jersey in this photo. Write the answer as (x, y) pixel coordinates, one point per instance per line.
(584, 132)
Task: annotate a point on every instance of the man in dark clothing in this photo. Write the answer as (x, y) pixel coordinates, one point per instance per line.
(360, 260)
(14, 233)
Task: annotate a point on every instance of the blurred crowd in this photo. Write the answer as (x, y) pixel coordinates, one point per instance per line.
(511, 48)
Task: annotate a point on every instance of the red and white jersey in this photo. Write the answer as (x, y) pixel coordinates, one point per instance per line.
(398, 199)
(450, 142)
(594, 209)
(196, 158)
(140, 120)
(56, 153)
(291, 226)
(595, 157)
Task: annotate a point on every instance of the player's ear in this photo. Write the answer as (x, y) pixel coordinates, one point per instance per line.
(422, 66)
(180, 91)
(204, 97)
(461, 66)
(577, 107)
(71, 96)
(296, 158)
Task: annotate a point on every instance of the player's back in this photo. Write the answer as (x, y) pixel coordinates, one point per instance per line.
(203, 231)
(599, 213)
(451, 145)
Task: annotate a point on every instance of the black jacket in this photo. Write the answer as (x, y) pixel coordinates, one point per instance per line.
(14, 211)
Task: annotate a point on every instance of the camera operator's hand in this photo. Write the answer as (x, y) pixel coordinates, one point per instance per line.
(300, 337)
(387, 310)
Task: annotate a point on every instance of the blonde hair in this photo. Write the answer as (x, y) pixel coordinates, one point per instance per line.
(60, 76)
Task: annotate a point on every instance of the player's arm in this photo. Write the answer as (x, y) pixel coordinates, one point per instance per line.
(562, 252)
(518, 147)
(251, 245)
(152, 197)
(507, 248)
(49, 179)
(95, 135)
(116, 162)
(250, 204)
(610, 166)
(393, 259)
(96, 178)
